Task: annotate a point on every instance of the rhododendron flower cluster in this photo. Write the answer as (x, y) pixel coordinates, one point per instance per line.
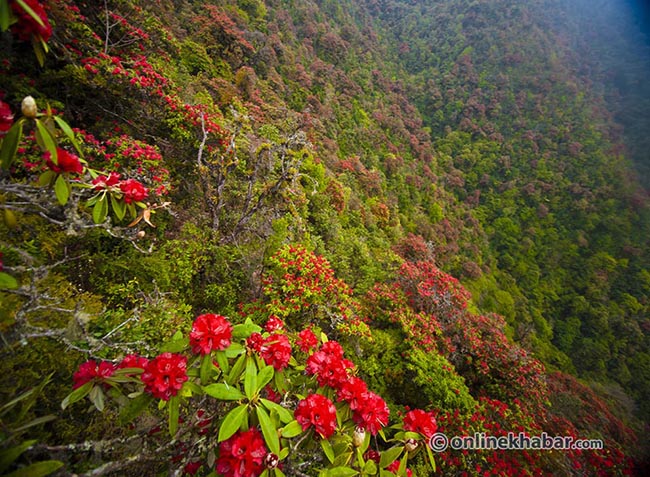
(26, 27)
(164, 375)
(317, 411)
(255, 342)
(210, 332)
(6, 118)
(274, 324)
(329, 366)
(105, 182)
(331, 369)
(133, 361)
(371, 412)
(253, 433)
(307, 340)
(394, 468)
(92, 370)
(242, 455)
(66, 162)
(276, 351)
(421, 422)
(133, 190)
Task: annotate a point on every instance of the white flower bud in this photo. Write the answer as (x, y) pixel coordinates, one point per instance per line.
(410, 445)
(29, 108)
(358, 437)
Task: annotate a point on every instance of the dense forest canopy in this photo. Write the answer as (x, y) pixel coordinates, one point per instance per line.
(304, 237)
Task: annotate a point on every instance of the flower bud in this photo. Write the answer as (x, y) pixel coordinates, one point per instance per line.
(271, 461)
(358, 437)
(410, 445)
(29, 108)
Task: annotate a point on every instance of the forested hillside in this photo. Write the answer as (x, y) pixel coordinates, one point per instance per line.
(246, 237)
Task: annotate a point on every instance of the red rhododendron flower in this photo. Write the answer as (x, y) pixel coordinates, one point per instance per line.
(242, 455)
(371, 413)
(330, 370)
(6, 118)
(210, 332)
(372, 454)
(276, 351)
(26, 25)
(271, 395)
(274, 324)
(318, 411)
(421, 422)
(66, 162)
(191, 468)
(394, 468)
(133, 361)
(164, 375)
(352, 392)
(91, 370)
(133, 191)
(104, 182)
(332, 348)
(307, 340)
(255, 342)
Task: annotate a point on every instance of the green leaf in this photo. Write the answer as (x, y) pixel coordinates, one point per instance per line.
(134, 408)
(38, 469)
(45, 138)
(222, 360)
(223, 392)
(46, 178)
(291, 430)
(40, 49)
(67, 130)
(284, 452)
(402, 464)
(244, 330)
(231, 422)
(78, 394)
(30, 12)
(278, 472)
(119, 207)
(250, 378)
(234, 350)
(190, 388)
(366, 443)
(264, 377)
(268, 430)
(7, 281)
(285, 415)
(100, 211)
(62, 190)
(341, 472)
(10, 144)
(97, 398)
(370, 468)
(174, 408)
(327, 448)
(432, 460)
(389, 456)
(280, 383)
(34, 422)
(237, 369)
(5, 15)
(7, 456)
(206, 368)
